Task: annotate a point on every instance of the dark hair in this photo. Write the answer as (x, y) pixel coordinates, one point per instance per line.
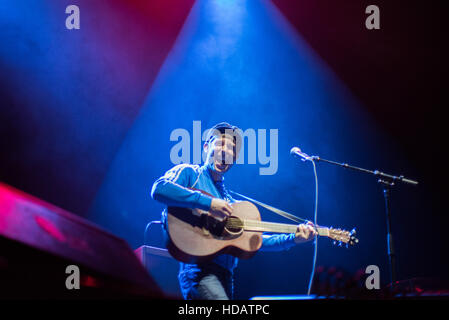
(225, 128)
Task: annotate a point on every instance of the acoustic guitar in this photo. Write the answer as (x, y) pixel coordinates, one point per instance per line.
(195, 236)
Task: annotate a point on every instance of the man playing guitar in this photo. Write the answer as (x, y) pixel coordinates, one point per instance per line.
(213, 280)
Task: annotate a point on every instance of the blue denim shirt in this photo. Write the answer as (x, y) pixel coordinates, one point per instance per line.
(172, 190)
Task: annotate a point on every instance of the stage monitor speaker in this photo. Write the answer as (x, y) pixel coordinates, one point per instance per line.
(162, 267)
(39, 241)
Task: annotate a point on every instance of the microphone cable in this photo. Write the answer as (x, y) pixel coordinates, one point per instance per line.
(315, 222)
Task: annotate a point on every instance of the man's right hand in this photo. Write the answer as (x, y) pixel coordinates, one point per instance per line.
(220, 208)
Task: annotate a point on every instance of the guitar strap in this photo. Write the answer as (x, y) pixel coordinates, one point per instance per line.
(272, 209)
(266, 206)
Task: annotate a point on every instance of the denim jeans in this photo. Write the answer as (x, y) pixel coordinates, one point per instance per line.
(205, 282)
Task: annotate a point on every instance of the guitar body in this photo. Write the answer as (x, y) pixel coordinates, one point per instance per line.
(194, 236)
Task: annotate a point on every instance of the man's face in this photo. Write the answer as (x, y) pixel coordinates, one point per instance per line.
(220, 153)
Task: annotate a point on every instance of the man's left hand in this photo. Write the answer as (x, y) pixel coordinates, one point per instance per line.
(305, 232)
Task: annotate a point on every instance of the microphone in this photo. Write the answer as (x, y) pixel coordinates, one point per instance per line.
(295, 151)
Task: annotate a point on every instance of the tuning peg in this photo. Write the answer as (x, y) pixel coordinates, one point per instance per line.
(347, 245)
(334, 242)
(339, 243)
(353, 240)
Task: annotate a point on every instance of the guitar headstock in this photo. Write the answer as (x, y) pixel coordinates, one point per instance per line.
(343, 236)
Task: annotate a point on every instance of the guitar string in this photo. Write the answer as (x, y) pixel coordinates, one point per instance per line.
(278, 227)
(253, 223)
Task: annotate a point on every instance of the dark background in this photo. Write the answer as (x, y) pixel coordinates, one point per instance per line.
(86, 116)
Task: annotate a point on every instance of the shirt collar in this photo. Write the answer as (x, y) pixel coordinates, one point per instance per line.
(207, 169)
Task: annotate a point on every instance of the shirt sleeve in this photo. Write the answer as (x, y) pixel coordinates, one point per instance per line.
(172, 189)
(278, 242)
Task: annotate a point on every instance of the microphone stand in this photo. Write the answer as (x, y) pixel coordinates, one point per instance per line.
(387, 181)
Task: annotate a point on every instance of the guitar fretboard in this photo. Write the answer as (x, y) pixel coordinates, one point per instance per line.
(261, 226)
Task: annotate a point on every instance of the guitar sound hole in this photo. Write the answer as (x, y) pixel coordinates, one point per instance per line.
(234, 225)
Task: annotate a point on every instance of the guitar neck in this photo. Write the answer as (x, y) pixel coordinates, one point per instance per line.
(273, 227)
